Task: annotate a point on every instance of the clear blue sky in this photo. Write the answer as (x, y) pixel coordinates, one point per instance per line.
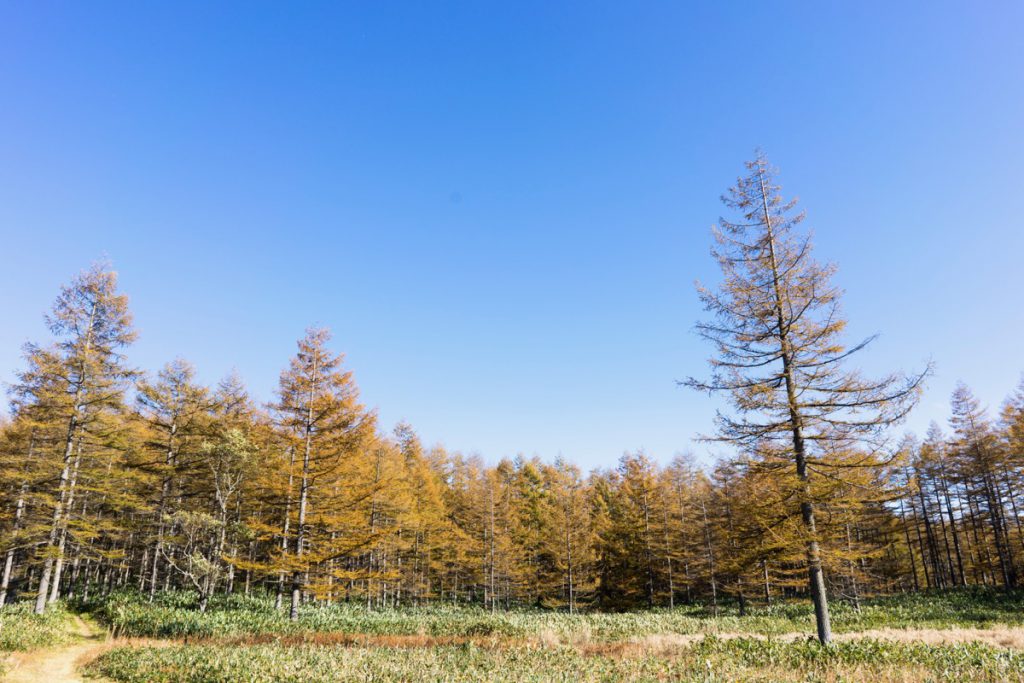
(500, 208)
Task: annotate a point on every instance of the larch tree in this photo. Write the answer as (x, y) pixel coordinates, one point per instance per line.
(225, 460)
(776, 329)
(753, 491)
(426, 520)
(193, 485)
(1012, 418)
(1012, 429)
(318, 408)
(686, 541)
(173, 409)
(74, 384)
(983, 463)
(628, 538)
(571, 541)
(933, 457)
(22, 470)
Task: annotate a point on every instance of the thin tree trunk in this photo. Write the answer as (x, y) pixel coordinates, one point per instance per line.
(648, 553)
(165, 489)
(933, 549)
(952, 524)
(568, 556)
(711, 558)
(58, 566)
(910, 547)
(853, 569)
(52, 552)
(58, 513)
(815, 576)
(300, 533)
(19, 510)
(668, 562)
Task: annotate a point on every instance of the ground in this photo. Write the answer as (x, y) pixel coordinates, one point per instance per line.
(60, 664)
(941, 637)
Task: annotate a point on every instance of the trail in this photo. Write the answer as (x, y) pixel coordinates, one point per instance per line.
(59, 664)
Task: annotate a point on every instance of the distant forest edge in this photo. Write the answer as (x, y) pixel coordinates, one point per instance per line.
(112, 478)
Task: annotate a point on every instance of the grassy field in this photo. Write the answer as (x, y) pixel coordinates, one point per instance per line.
(173, 615)
(709, 659)
(963, 636)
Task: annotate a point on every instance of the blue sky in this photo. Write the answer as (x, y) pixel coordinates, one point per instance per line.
(500, 208)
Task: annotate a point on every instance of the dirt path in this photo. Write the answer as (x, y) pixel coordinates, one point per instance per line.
(59, 664)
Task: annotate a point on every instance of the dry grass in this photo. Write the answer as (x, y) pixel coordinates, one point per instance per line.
(675, 644)
(997, 636)
(337, 639)
(660, 645)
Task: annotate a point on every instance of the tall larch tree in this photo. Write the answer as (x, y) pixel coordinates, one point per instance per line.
(426, 521)
(983, 462)
(571, 541)
(776, 329)
(76, 383)
(318, 408)
(173, 409)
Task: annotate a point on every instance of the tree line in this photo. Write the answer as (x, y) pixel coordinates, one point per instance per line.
(113, 478)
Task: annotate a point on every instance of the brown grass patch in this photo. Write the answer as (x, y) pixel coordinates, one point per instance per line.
(1011, 637)
(662, 644)
(418, 640)
(675, 644)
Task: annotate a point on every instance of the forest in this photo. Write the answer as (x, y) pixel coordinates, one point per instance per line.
(117, 481)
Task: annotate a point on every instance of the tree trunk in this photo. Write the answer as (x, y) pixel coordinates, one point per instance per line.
(52, 552)
(58, 513)
(19, 510)
(952, 526)
(165, 489)
(815, 576)
(910, 547)
(648, 553)
(711, 558)
(300, 536)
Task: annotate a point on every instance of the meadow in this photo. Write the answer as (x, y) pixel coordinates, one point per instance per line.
(709, 659)
(964, 636)
(173, 615)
